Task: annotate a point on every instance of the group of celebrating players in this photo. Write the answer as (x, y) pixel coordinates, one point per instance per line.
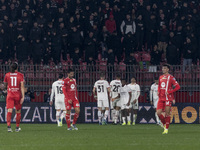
(123, 98)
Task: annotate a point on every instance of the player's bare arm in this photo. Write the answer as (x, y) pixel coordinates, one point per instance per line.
(22, 92)
(113, 99)
(130, 95)
(109, 91)
(94, 93)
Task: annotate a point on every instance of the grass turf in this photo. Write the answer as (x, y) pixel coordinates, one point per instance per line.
(95, 137)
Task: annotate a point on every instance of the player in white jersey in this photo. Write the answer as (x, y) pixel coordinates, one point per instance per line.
(154, 98)
(135, 88)
(125, 98)
(59, 100)
(115, 105)
(103, 90)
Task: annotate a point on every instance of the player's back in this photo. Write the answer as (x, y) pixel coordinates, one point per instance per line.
(102, 92)
(14, 83)
(57, 85)
(115, 86)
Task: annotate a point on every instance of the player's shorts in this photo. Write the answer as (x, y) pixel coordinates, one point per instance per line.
(12, 102)
(162, 104)
(116, 103)
(155, 103)
(75, 104)
(134, 106)
(102, 103)
(124, 104)
(60, 105)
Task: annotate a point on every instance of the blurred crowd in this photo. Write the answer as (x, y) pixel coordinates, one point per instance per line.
(47, 30)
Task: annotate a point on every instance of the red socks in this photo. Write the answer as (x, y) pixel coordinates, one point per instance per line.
(18, 118)
(9, 115)
(162, 119)
(68, 120)
(167, 120)
(75, 118)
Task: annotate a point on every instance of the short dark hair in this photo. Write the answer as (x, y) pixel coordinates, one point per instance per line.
(102, 74)
(166, 65)
(13, 67)
(118, 75)
(60, 75)
(156, 78)
(123, 80)
(70, 70)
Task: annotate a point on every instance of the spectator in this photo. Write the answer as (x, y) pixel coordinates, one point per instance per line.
(163, 38)
(156, 55)
(75, 40)
(114, 43)
(35, 32)
(110, 24)
(111, 57)
(172, 54)
(139, 32)
(90, 46)
(56, 47)
(128, 26)
(130, 60)
(188, 54)
(38, 50)
(29, 95)
(2, 93)
(129, 44)
(22, 48)
(47, 96)
(76, 56)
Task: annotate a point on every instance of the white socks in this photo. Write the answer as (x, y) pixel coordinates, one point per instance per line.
(113, 114)
(99, 115)
(116, 116)
(128, 118)
(124, 119)
(63, 115)
(57, 116)
(134, 117)
(106, 114)
(157, 118)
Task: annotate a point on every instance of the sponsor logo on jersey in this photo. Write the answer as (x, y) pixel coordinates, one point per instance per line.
(163, 84)
(72, 86)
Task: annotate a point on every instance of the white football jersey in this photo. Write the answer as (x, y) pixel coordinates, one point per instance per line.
(115, 86)
(102, 89)
(57, 91)
(124, 93)
(135, 88)
(154, 92)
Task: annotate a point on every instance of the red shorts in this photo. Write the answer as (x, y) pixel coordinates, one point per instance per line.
(161, 104)
(75, 103)
(13, 101)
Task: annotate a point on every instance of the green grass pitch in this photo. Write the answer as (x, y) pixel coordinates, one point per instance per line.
(95, 137)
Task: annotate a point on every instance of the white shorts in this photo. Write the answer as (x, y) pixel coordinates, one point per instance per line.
(124, 104)
(134, 106)
(155, 102)
(102, 103)
(117, 103)
(60, 105)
